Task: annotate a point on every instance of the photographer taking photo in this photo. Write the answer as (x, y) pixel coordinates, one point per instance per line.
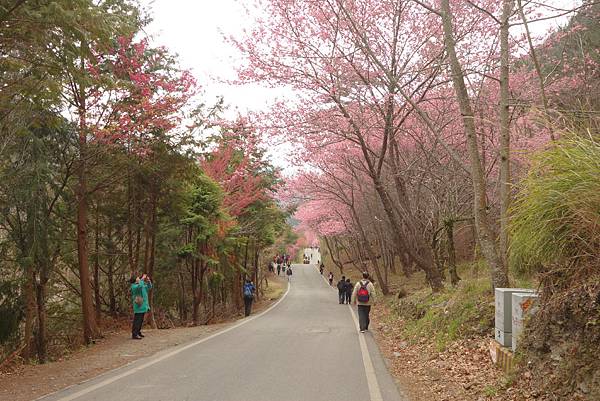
(139, 298)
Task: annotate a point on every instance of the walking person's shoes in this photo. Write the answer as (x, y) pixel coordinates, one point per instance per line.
(141, 335)
(362, 331)
(136, 337)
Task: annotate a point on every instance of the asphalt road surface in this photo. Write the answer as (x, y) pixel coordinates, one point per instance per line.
(305, 348)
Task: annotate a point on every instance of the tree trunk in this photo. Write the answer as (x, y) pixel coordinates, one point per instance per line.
(536, 61)
(237, 284)
(42, 337)
(149, 257)
(182, 301)
(198, 295)
(382, 282)
(90, 327)
(130, 211)
(30, 309)
(423, 258)
(484, 230)
(97, 266)
(112, 299)
(507, 6)
(256, 272)
(451, 250)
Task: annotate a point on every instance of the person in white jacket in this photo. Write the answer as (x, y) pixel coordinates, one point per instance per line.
(363, 295)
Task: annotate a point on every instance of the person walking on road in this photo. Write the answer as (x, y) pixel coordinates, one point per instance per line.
(139, 298)
(289, 273)
(341, 286)
(248, 296)
(348, 291)
(331, 279)
(321, 268)
(363, 295)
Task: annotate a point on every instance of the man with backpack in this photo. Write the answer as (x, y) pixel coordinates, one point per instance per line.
(364, 296)
(289, 272)
(341, 286)
(248, 296)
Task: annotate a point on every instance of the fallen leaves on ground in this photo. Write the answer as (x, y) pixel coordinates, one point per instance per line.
(463, 371)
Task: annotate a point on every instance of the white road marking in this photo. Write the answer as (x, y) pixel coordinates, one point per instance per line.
(373, 384)
(374, 390)
(154, 361)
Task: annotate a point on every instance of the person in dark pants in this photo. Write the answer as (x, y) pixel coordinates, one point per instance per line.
(249, 290)
(139, 298)
(363, 295)
(330, 278)
(348, 291)
(341, 286)
(321, 268)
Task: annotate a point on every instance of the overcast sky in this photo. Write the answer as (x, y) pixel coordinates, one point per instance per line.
(194, 30)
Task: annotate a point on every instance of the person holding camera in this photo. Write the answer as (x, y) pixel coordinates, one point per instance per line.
(139, 298)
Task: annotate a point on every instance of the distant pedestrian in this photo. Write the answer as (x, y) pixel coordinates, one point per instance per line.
(331, 279)
(249, 290)
(321, 268)
(348, 287)
(363, 295)
(278, 268)
(289, 273)
(341, 286)
(139, 298)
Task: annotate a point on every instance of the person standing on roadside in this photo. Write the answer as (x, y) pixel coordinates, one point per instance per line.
(348, 291)
(363, 296)
(249, 290)
(341, 286)
(139, 298)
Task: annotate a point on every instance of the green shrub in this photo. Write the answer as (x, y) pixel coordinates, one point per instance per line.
(452, 314)
(556, 216)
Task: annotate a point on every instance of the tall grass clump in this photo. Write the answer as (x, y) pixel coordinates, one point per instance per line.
(556, 216)
(556, 234)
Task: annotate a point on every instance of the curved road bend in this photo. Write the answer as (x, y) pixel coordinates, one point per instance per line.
(306, 348)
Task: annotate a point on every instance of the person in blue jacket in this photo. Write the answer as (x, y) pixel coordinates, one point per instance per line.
(139, 298)
(249, 290)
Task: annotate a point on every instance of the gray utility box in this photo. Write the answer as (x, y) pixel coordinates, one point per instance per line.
(522, 305)
(503, 302)
(503, 338)
(504, 306)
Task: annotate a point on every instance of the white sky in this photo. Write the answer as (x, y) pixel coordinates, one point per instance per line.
(195, 30)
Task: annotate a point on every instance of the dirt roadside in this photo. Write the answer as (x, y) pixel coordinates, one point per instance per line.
(116, 349)
(463, 372)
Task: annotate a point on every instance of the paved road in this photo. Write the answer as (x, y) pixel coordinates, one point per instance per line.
(306, 348)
